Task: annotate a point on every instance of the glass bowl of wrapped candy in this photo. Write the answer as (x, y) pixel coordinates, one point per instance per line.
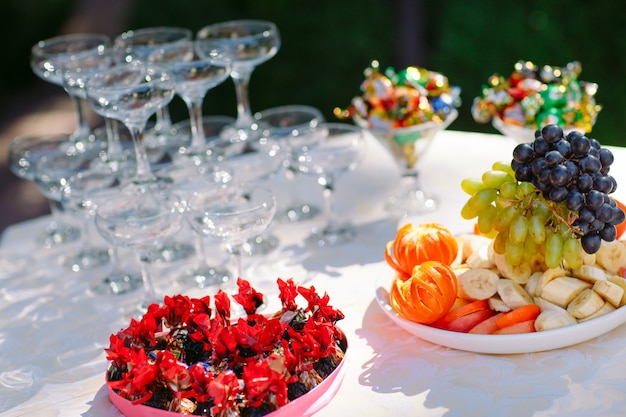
(404, 110)
(533, 96)
(188, 356)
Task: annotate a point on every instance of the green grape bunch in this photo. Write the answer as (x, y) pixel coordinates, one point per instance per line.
(551, 200)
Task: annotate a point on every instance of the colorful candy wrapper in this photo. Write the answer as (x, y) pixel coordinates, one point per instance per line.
(533, 96)
(395, 99)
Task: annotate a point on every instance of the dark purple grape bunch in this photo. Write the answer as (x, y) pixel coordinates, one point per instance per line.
(573, 169)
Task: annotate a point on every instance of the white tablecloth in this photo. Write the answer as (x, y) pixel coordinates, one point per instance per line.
(53, 330)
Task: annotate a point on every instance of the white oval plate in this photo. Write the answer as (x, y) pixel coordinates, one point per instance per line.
(499, 344)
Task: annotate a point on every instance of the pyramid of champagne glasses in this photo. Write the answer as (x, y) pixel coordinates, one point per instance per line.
(139, 153)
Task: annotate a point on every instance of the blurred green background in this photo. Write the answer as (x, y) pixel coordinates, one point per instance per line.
(327, 44)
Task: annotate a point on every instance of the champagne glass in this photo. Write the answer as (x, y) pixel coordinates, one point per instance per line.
(194, 77)
(294, 126)
(139, 220)
(25, 152)
(80, 195)
(132, 93)
(249, 43)
(53, 176)
(49, 57)
(407, 145)
(252, 161)
(138, 44)
(234, 213)
(190, 179)
(340, 150)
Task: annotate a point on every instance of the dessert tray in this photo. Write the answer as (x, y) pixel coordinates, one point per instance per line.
(189, 356)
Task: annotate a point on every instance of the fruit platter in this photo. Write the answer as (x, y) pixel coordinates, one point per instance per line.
(543, 269)
(188, 356)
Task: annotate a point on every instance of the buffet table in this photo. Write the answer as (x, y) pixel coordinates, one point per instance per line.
(53, 330)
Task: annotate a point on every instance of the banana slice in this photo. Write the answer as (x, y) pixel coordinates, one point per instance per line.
(533, 283)
(512, 293)
(546, 305)
(562, 290)
(611, 256)
(590, 273)
(615, 279)
(480, 258)
(611, 292)
(589, 258)
(496, 304)
(470, 243)
(605, 309)
(553, 319)
(518, 273)
(547, 276)
(585, 304)
(477, 283)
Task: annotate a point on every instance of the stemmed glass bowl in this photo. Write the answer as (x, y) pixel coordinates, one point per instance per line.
(233, 213)
(81, 195)
(252, 161)
(408, 145)
(293, 127)
(249, 43)
(338, 151)
(25, 152)
(139, 220)
(49, 57)
(62, 178)
(132, 93)
(138, 45)
(194, 76)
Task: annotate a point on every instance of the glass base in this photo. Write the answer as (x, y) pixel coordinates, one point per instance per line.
(172, 252)
(300, 213)
(410, 202)
(205, 277)
(56, 235)
(332, 237)
(117, 283)
(87, 259)
(262, 245)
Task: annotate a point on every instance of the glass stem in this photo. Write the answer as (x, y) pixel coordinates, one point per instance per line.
(55, 214)
(197, 127)
(85, 234)
(82, 130)
(410, 183)
(146, 277)
(328, 192)
(163, 120)
(114, 146)
(144, 172)
(241, 79)
(114, 257)
(236, 252)
(199, 247)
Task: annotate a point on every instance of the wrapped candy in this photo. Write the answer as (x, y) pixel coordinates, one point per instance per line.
(394, 99)
(532, 97)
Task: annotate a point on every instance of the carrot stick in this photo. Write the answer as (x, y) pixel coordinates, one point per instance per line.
(461, 311)
(520, 314)
(527, 326)
(488, 326)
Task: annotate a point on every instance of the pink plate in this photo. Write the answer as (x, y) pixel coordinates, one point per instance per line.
(304, 406)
